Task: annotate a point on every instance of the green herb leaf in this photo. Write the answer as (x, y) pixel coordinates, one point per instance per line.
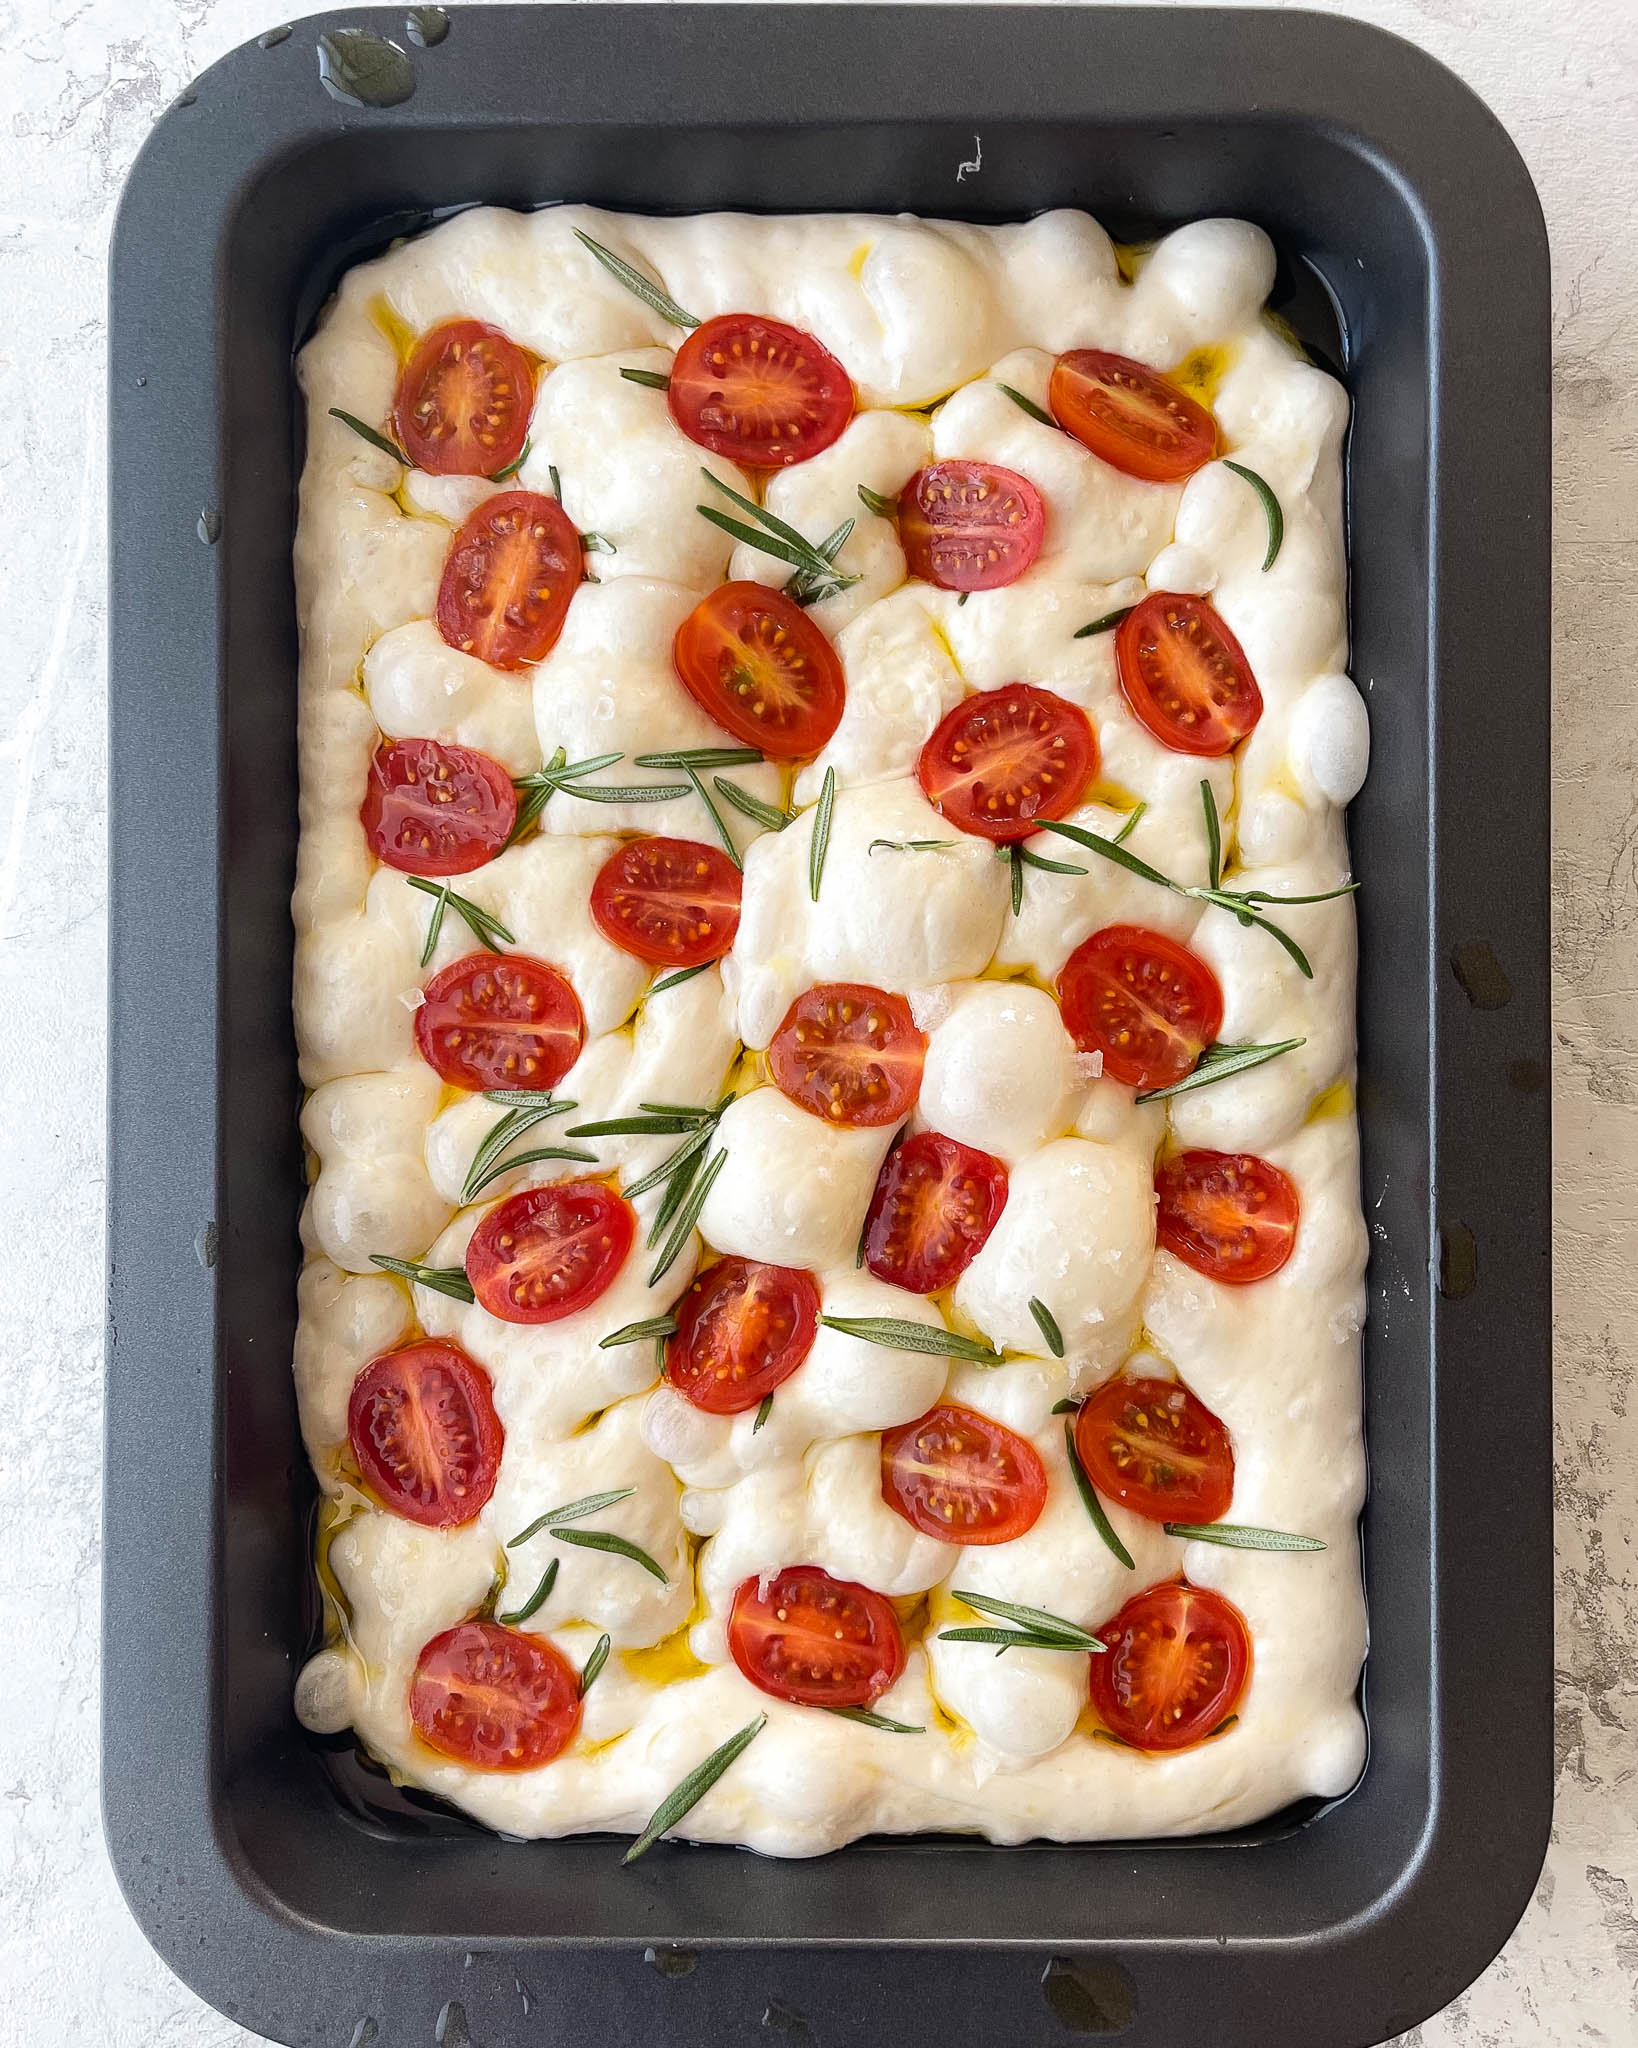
(1039, 860)
(505, 1132)
(1130, 826)
(764, 1410)
(484, 928)
(634, 1333)
(369, 434)
(1041, 1629)
(655, 380)
(529, 1098)
(724, 836)
(557, 481)
(1028, 405)
(1047, 1323)
(700, 757)
(536, 1600)
(696, 1112)
(1271, 507)
(751, 806)
(473, 1188)
(818, 574)
(1015, 865)
(962, 599)
(931, 1339)
(597, 544)
(873, 501)
(694, 1787)
(866, 1719)
(500, 476)
(1106, 624)
(911, 845)
(1214, 834)
(594, 1664)
(685, 1151)
(823, 812)
(1069, 1406)
(672, 980)
(685, 1164)
(1225, 1060)
(1090, 1501)
(614, 1546)
(1111, 849)
(450, 1280)
(1236, 1536)
(652, 295)
(571, 1511)
(688, 1214)
(627, 793)
(665, 1125)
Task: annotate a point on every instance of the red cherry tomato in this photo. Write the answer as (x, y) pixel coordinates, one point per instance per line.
(1149, 1444)
(508, 578)
(425, 1435)
(815, 1640)
(500, 1020)
(495, 1699)
(434, 810)
(1229, 1215)
(936, 1201)
(957, 1475)
(1004, 759)
(1177, 1663)
(1149, 1005)
(970, 525)
(755, 662)
(1129, 415)
(763, 394)
(742, 1329)
(549, 1252)
(1185, 675)
(850, 1054)
(671, 901)
(464, 400)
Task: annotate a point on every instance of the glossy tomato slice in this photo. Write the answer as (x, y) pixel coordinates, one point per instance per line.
(1149, 1005)
(1004, 759)
(957, 1475)
(1149, 1444)
(674, 902)
(849, 1053)
(754, 661)
(508, 578)
(936, 1201)
(1185, 675)
(500, 1020)
(1129, 415)
(1178, 1661)
(549, 1252)
(818, 1641)
(464, 400)
(763, 394)
(425, 1435)
(494, 1698)
(1229, 1215)
(434, 810)
(742, 1329)
(970, 525)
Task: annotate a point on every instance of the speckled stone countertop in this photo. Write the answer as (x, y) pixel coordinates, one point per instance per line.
(81, 82)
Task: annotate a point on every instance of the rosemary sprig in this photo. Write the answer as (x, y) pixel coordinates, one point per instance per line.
(1039, 860)
(689, 1149)
(533, 790)
(700, 757)
(1014, 857)
(694, 1787)
(1106, 624)
(911, 845)
(725, 838)
(1028, 405)
(823, 812)
(501, 476)
(764, 1410)
(1047, 1323)
(473, 1189)
(654, 380)
(750, 806)
(571, 1511)
(1236, 1536)
(1217, 1062)
(1034, 1628)
(369, 434)
(557, 481)
(671, 980)
(614, 1546)
(1090, 1501)
(1130, 826)
(635, 1333)
(665, 1123)
(520, 1117)
(866, 1719)
(873, 501)
(806, 588)
(931, 1339)
(1214, 835)
(536, 1600)
(485, 929)
(597, 544)
(1271, 509)
(652, 295)
(817, 571)
(450, 1280)
(594, 1664)
(688, 1214)
(1068, 1406)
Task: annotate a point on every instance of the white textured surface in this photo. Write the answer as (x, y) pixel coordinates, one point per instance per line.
(79, 87)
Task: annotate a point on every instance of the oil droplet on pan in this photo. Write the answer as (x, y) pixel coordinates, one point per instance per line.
(270, 38)
(209, 527)
(1090, 1998)
(1458, 1261)
(790, 2024)
(362, 69)
(1483, 978)
(426, 27)
(670, 1962)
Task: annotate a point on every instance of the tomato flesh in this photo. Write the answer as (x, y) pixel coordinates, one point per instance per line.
(1149, 1444)
(763, 394)
(742, 1330)
(957, 1475)
(936, 1201)
(464, 400)
(508, 578)
(1185, 675)
(1229, 1215)
(494, 1698)
(425, 1435)
(970, 525)
(499, 1020)
(1130, 416)
(1177, 1661)
(850, 1054)
(815, 1640)
(1002, 760)
(549, 1252)
(434, 810)
(673, 902)
(754, 661)
(1149, 1005)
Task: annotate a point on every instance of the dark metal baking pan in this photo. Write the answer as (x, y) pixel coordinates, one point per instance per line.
(1393, 194)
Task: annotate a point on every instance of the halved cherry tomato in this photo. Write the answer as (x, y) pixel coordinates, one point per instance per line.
(434, 810)
(508, 578)
(1229, 1215)
(1149, 1005)
(1003, 759)
(1177, 1663)
(761, 393)
(425, 1434)
(495, 1699)
(742, 1328)
(671, 901)
(500, 1020)
(549, 1252)
(754, 661)
(970, 525)
(850, 1054)
(1149, 1444)
(957, 1475)
(464, 400)
(1132, 417)
(936, 1201)
(818, 1641)
(1185, 675)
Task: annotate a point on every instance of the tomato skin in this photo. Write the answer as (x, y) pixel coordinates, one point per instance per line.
(753, 660)
(935, 1204)
(463, 401)
(1229, 1215)
(495, 1699)
(499, 1020)
(815, 1640)
(1177, 1662)
(1130, 416)
(1185, 675)
(763, 394)
(850, 1054)
(742, 1329)
(956, 1475)
(424, 1434)
(549, 1252)
(1002, 760)
(1149, 1005)
(970, 525)
(1155, 1448)
(430, 809)
(673, 902)
(508, 578)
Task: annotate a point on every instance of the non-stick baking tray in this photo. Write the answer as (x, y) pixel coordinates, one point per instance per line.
(1413, 253)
